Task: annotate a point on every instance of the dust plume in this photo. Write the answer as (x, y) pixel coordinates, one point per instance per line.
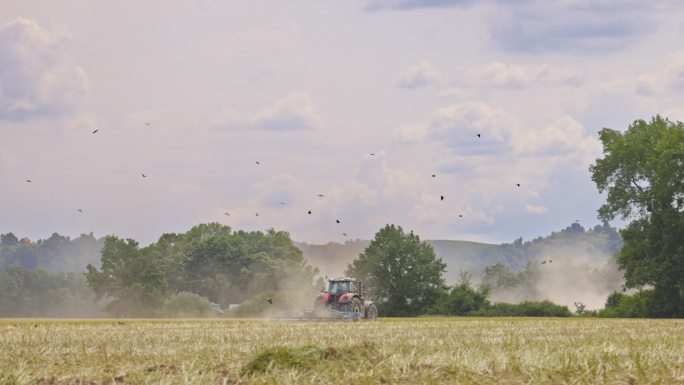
(567, 277)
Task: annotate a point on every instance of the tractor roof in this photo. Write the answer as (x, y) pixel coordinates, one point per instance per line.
(338, 279)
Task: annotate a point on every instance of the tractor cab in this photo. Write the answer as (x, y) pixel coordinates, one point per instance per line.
(340, 286)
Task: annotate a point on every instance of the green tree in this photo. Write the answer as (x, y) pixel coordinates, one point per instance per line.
(37, 293)
(9, 239)
(402, 273)
(132, 278)
(642, 171)
(462, 299)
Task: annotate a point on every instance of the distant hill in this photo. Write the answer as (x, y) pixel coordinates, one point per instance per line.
(573, 242)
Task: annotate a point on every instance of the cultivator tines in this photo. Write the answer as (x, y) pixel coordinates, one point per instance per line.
(325, 315)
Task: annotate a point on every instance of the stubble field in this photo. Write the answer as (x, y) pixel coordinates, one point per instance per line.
(410, 351)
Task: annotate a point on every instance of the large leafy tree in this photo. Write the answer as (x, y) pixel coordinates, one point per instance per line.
(402, 273)
(642, 171)
(229, 267)
(133, 279)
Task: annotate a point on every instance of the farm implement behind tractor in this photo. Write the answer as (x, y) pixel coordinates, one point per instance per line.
(343, 299)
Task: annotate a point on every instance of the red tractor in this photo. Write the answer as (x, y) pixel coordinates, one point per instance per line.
(345, 297)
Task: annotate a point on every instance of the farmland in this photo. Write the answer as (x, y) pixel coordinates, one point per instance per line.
(421, 350)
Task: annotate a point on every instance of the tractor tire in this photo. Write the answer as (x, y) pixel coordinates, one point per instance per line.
(356, 308)
(372, 313)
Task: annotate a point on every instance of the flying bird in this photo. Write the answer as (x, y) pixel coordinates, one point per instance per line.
(147, 123)
(227, 214)
(94, 132)
(269, 301)
(309, 212)
(257, 214)
(337, 220)
(441, 197)
(143, 175)
(433, 175)
(320, 195)
(517, 184)
(283, 203)
(460, 215)
(257, 162)
(28, 180)
(372, 154)
(345, 234)
(80, 211)
(479, 136)
(543, 262)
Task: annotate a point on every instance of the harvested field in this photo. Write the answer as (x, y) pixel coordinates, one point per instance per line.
(410, 351)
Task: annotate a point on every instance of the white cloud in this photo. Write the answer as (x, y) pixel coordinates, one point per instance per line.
(532, 209)
(419, 75)
(500, 74)
(38, 77)
(563, 138)
(293, 112)
(457, 127)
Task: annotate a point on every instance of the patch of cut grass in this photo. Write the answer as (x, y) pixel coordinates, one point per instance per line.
(308, 357)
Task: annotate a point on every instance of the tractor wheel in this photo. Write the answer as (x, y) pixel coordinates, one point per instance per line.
(356, 307)
(372, 313)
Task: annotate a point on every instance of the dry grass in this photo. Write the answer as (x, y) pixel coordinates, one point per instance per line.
(430, 350)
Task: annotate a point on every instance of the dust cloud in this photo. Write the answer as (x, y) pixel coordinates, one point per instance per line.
(566, 278)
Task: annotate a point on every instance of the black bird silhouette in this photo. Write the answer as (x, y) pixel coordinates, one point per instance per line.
(550, 261)
(269, 301)
(517, 184)
(143, 175)
(227, 214)
(345, 234)
(320, 195)
(479, 136)
(460, 215)
(309, 212)
(433, 175)
(372, 154)
(283, 203)
(147, 123)
(441, 197)
(543, 262)
(28, 180)
(337, 221)
(257, 214)
(95, 131)
(80, 211)
(257, 162)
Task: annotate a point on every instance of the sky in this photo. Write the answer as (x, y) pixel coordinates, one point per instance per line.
(361, 101)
